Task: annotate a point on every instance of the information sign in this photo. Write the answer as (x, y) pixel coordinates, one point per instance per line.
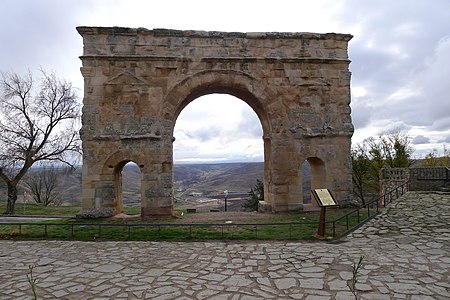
(324, 197)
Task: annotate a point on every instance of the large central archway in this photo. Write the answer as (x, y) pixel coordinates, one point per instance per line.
(218, 128)
(137, 82)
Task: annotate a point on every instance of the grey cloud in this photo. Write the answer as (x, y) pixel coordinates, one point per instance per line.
(446, 140)
(249, 125)
(419, 30)
(400, 45)
(207, 133)
(361, 112)
(181, 133)
(420, 139)
(394, 127)
(441, 124)
(435, 79)
(41, 33)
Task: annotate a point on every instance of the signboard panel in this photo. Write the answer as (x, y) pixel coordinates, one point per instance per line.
(324, 197)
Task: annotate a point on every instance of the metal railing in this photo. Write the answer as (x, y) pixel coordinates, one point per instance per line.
(150, 231)
(435, 173)
(94, 231)
(372, 208)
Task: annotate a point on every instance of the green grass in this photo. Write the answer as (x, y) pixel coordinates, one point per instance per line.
(132, 210)
(295, 226)
(35, 209)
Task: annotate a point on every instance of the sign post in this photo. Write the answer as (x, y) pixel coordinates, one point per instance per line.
(226, 194)
(324, 199)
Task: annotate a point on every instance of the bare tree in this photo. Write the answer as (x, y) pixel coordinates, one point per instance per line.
(36, 124)
(436, 159)
(361, 165)
(42, 185)
(391, 150)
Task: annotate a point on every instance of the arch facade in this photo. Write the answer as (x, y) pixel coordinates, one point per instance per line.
(137, 81)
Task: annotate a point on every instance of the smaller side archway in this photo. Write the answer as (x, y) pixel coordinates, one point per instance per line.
(314, 176)
(128, 182)
(113, 172)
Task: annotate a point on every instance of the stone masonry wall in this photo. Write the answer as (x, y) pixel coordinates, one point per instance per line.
(137, 81)
(419, 179)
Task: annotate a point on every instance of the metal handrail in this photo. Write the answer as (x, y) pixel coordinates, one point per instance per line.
(372, 207)
(377, 201)
(157, 225)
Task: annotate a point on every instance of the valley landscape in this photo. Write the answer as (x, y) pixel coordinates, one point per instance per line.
(199, 186)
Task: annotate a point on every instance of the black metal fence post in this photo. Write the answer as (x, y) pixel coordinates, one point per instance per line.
(357, 212)
(346, 221)
(334, 229)
(236, 228)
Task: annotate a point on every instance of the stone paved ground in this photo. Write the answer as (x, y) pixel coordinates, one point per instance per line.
(406, 252)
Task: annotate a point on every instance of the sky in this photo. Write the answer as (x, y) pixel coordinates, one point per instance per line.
(400, 57)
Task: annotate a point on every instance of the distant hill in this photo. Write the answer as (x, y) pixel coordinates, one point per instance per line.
(207, 179)
(69, 186)
(213, 178)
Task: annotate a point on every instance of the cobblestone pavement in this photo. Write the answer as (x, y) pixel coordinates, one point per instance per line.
(406, 256)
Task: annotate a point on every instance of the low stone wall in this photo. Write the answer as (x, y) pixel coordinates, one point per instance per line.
(390, 178)
(420, 179)
(430, 179)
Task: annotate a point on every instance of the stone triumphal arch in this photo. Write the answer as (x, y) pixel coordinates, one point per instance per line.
(137, 81)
